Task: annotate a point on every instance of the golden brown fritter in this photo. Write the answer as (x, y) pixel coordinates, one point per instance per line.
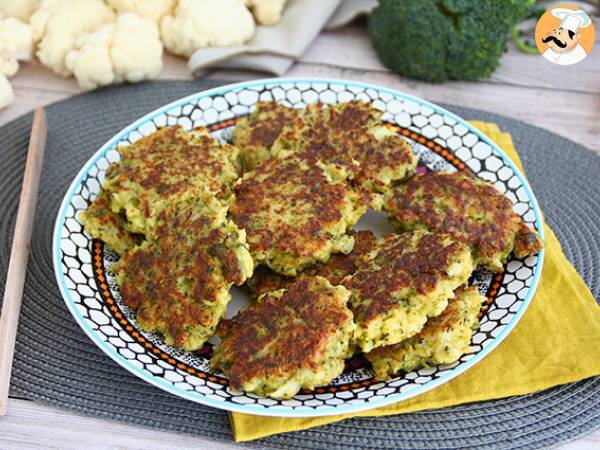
(349, 137)
(470, 209)
(290, 339)
(178, 280)
(335, 270)
(294, 214)
(255, 134)
(167, 162)
(442, 340)
(404, 280)
(103, 224)
(352, 138)
(385, 161)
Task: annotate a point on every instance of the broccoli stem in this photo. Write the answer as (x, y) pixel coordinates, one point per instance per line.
(524, 46)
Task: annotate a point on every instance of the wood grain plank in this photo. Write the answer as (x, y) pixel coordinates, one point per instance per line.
(32, 425)
(28, 99)
(35, 76)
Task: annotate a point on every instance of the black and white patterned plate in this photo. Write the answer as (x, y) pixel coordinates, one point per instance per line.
(441, 140)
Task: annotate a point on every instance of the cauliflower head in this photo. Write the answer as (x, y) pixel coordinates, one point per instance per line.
(266, 12)
(21, 9)
(57, 23)
(206, 23)
(148, 9)
(16, 44)
(6, 93)
(126, 50)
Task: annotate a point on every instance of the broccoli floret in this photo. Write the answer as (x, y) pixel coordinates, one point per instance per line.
(435, 40)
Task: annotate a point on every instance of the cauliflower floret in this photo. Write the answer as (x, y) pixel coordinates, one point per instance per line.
(206, 23)
(16, 44)
(6, 93)
(21, 9)
(149, 9)
(57, 23)
(126, 50)
(266, 12)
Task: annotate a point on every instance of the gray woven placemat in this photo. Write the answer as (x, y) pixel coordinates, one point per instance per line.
(57, 364)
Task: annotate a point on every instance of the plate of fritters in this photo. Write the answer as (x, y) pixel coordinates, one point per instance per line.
(298, 247)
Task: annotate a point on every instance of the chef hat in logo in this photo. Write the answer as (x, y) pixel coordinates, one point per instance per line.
(572, 20)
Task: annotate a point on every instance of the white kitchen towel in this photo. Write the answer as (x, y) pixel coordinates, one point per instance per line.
(348, 11)
(274, 48)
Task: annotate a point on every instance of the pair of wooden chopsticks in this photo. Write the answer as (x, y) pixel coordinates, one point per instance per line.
(15, 278)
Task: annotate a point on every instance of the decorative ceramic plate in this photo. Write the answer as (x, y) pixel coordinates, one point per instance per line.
(441, 140)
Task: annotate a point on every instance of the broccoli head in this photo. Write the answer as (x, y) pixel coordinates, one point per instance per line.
(435, 40)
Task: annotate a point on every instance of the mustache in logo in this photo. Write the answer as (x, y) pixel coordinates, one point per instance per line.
(556, 41)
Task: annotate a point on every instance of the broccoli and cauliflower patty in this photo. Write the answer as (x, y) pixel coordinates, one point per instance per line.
(255, 134)
(350, 137)
(404, 280)
(334, 270)
(442, 340)
(167, 162)
(178, 279)
(290, 339)
(295, 214)
(469, 209)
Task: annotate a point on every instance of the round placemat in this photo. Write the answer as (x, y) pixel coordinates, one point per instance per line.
(56, 363)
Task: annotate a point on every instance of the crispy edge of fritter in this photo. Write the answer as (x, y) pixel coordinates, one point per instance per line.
(103, 224)
(309, 351)
(443, 339)
(392, 300)
(527, 242)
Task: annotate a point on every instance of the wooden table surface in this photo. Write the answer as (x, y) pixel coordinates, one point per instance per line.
(562, 99)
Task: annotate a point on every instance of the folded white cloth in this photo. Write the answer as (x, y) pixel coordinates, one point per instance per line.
(348, 10)
(274, 48)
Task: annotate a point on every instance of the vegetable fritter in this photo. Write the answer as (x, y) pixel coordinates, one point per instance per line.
(335, 270)
(404, 280)
(295, 214)
(99, 220)
(178, 280)
(442, 340)
(351, 137)
(167, 162)
(290, 339)
(348, 136)
(255, 134)
(470, 209)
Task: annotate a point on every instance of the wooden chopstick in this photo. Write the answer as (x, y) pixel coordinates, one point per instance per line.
(15, 278)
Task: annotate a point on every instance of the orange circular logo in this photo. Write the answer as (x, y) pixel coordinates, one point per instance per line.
(565, 35)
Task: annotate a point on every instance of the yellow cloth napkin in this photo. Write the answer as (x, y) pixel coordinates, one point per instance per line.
(557, 341)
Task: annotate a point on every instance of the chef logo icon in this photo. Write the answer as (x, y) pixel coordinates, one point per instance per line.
(564, 35)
